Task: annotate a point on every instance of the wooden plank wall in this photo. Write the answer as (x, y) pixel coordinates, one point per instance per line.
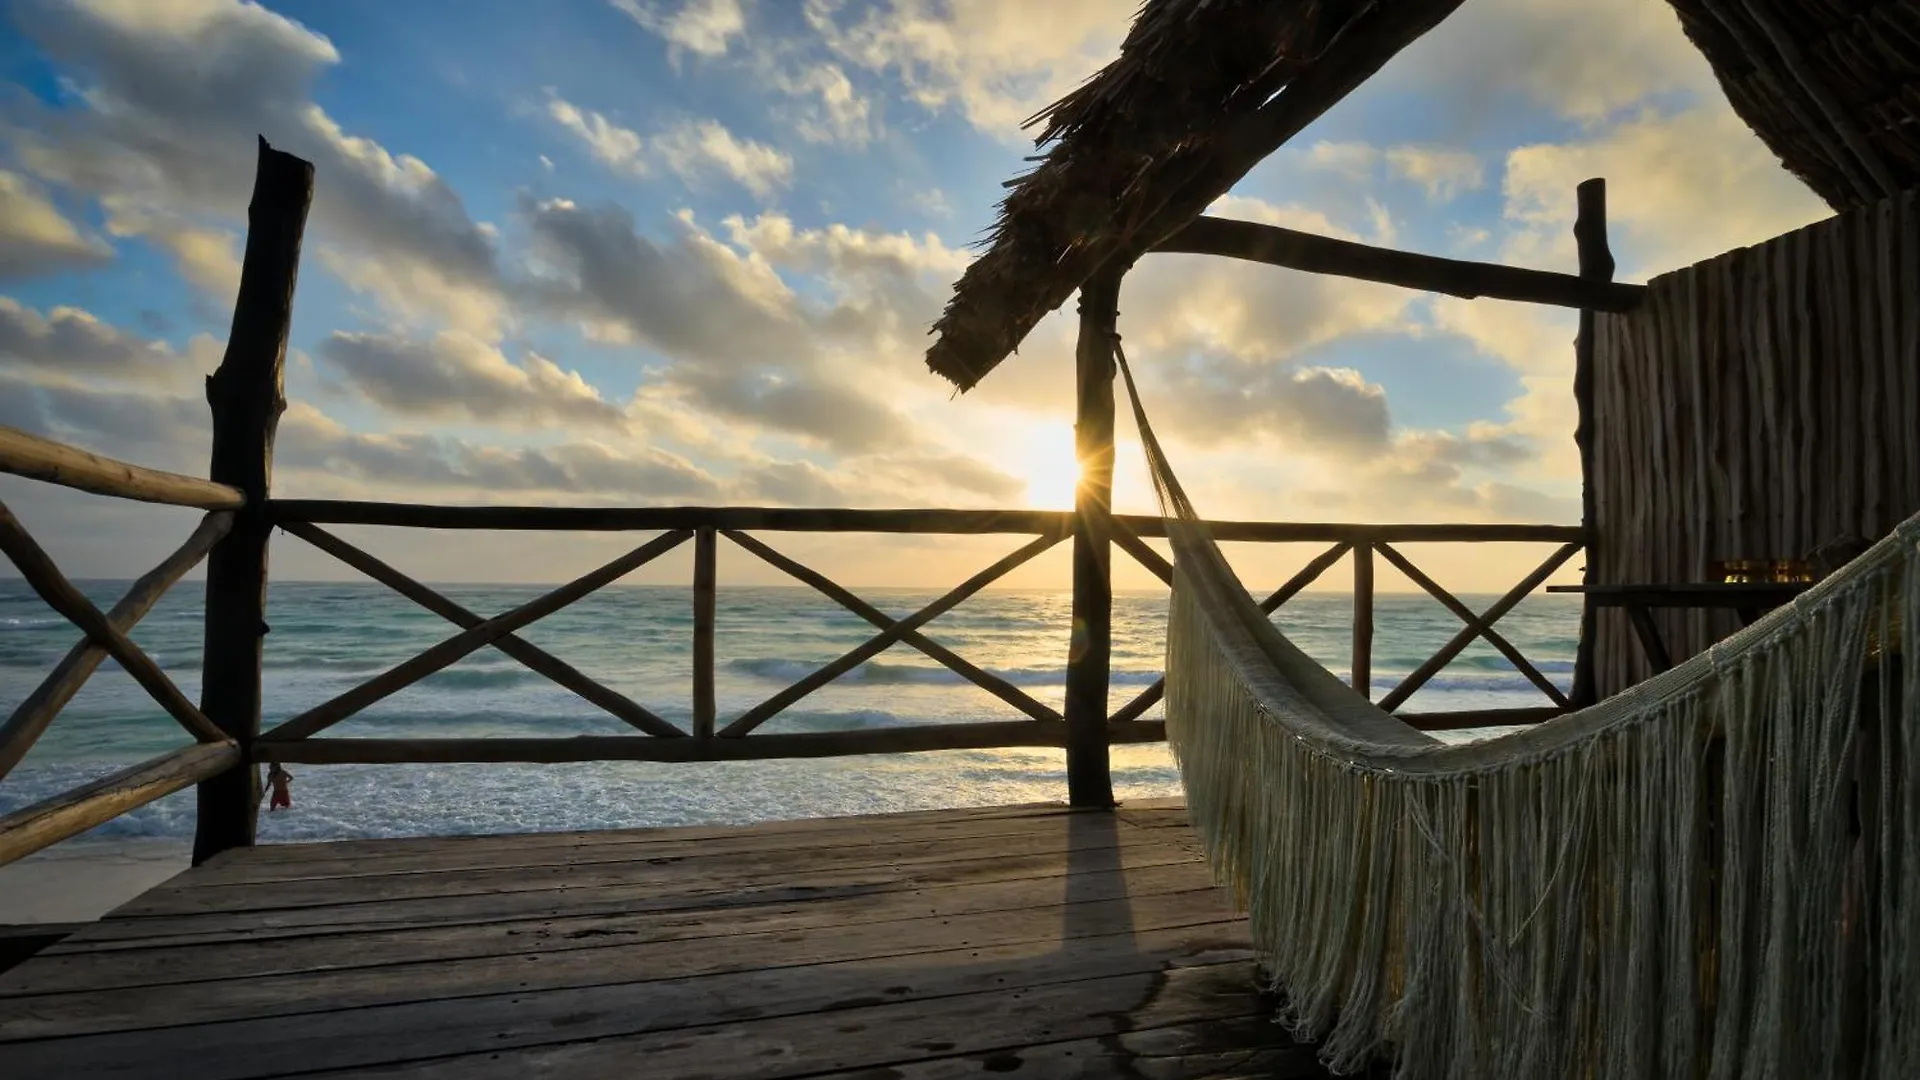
(1758, 405)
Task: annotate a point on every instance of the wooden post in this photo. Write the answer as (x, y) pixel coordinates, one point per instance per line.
(1596, 264)
(705, 557)
(1363, 619)
(247, 397)
(1090, 651)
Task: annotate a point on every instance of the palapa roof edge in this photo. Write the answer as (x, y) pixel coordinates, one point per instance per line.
(1204, 89)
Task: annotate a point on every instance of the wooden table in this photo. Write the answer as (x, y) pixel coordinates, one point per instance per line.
(1749, 599)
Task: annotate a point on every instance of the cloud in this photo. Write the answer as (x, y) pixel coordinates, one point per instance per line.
(693, 150)
(698, 149)
(208, 257)
(1668, 182)
(68, 344)
(826, 107)
(35, 238)
(1582, 59)
(612, 145)
(456, 377)
(702, 27)
(169, 99)
(312, 441)
(1444, 173)
(1211, 399)
(739, 342)
(996, 61)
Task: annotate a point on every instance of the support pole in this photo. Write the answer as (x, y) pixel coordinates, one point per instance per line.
(247, 396)
(705, 593)
(1596, 264)
(1089, 782)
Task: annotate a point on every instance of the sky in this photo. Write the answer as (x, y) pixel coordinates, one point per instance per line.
(634, 252)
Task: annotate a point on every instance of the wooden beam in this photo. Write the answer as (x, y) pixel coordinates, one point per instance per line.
(1308, 575)
(449, 652)
(57, 463)
(1129, 541)
(1347, 61)
(1144, 700)
(39, 708)
(46, 579)
(705, 567)
(814, 744)
(1467, 615)
(1090, 646)
(247, 395)
(539, 660)
(960, 665)
(1596, 264)
(835, 520)
(1473, 629)
(31, 828)
(880, 642)
(1276, 246)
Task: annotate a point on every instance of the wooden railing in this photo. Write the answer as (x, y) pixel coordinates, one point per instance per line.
(105, 635)
(712, 738)
(709, 736)
(245, 395)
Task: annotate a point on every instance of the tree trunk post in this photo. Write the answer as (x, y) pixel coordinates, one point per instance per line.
(705, 594)
(247, 396)
(1089, 654)
(1596, 264)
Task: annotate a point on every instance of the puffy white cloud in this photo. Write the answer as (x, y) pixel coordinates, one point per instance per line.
(171, 97)
(1669, 181)
(693, 150)
(703, 27)
(69, 345)
(1583, 59)
(698, 149)
(35, 237)
(453, 376)
(207, 256)
(1444, 172)
(997, 61)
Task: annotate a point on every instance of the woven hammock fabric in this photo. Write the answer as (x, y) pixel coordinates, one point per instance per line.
(1714, 874)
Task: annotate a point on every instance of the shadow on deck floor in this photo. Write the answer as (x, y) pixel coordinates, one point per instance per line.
(1011, 941)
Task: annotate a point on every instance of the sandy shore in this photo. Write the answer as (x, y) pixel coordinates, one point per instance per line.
(84, 879)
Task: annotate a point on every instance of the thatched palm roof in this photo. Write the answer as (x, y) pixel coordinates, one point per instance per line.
(1204, 89)
(1201, 92)
(1832, 86)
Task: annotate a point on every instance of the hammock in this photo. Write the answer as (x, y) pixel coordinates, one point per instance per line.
(1675, 882)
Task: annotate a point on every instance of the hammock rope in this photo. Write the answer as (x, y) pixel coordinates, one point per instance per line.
(1711, 875)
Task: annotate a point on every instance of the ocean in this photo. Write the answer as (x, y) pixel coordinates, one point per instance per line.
(326, 637)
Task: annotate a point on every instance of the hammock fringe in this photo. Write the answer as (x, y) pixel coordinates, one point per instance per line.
(1712, 875)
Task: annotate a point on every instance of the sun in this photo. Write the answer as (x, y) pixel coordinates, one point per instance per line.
(1048, 465)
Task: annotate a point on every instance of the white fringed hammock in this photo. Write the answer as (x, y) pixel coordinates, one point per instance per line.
(1710, 875)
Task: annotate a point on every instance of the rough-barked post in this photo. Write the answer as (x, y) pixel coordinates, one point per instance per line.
(1090, 652)
(247, 398)
(1596, 264)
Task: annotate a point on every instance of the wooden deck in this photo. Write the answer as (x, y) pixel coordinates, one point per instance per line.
(1030, 941)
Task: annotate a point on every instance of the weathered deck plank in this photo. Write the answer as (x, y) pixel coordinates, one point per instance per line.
(1032, 940)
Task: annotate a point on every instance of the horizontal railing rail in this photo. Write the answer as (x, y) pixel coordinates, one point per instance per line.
(33, 827)
(712, 738)
(36, 458)
(808, 519)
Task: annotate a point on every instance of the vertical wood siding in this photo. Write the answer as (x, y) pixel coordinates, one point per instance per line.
(1758, 405)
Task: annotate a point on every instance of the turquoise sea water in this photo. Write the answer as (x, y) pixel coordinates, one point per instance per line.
(325, 638)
